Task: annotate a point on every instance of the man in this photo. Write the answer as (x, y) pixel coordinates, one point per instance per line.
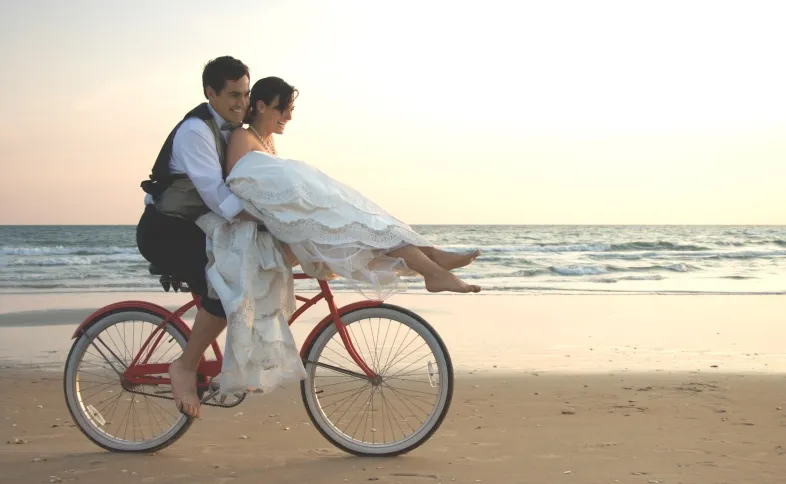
(188, 181)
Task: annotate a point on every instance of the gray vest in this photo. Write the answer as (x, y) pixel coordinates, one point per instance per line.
(175, 194)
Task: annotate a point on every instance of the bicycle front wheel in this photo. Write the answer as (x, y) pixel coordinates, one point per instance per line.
(401, 409)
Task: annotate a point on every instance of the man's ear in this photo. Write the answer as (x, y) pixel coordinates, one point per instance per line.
(210, 93)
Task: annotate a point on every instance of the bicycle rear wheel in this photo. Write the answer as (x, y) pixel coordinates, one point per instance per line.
(394, 414)
(109, 410)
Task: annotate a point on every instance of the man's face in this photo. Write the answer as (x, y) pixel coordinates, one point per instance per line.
(232, 102)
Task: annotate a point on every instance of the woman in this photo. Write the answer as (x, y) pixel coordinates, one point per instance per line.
(328, 227)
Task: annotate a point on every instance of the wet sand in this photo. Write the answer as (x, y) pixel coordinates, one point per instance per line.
(494, 332)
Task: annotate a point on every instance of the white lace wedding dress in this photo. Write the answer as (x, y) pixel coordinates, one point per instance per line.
(332, 229)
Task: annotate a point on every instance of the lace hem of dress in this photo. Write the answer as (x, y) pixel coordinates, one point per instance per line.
(354, 234)
(300, 193)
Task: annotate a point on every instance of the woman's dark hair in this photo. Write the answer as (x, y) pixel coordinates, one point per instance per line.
(267, 90)
(220, 70)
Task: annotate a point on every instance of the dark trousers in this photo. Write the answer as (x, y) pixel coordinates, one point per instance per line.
(177, 247)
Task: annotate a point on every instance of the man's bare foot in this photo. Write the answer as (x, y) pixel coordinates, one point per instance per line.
(450, 260)
(447, 281)
(184, 389)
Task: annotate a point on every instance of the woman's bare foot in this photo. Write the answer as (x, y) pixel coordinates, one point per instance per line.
(447, 281)
(450, 260)
(437, 278)
(184, 389)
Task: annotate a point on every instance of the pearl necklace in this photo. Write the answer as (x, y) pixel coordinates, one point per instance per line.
(267, 146)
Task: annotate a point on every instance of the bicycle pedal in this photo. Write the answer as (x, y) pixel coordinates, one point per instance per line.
(216, 399)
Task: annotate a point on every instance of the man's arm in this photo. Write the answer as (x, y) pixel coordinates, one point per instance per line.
(194, 148)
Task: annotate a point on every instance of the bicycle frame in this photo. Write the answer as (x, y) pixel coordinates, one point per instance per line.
(141, 372)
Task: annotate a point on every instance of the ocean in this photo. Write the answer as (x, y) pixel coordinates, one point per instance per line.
(516, 259)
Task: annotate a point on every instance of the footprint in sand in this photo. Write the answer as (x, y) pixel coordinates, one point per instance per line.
(548, 456)
(486, 444)
(324, 451)
(480, 460)
(432, 477)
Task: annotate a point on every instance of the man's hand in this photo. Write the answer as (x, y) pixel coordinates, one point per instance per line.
(243, 215)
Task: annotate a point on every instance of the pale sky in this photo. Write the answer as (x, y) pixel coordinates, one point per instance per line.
(479, 113)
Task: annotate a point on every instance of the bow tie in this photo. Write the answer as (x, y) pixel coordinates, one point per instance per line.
(230, 126)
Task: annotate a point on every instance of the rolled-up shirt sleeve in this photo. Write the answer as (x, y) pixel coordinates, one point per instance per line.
(194, 149)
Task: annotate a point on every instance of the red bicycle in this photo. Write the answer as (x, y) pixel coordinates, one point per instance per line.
(379, 378)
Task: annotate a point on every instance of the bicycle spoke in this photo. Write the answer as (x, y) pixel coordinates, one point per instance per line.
(356, 395)
(399, 394)
(355, 340)
(343, 392)
(400, 415)
(401, 350)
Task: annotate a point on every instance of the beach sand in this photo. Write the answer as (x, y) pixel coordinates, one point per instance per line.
(549, 389)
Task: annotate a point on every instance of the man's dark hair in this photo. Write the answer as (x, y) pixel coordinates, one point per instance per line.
(220, 70)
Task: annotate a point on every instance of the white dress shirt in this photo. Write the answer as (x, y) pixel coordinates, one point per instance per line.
(194, 153)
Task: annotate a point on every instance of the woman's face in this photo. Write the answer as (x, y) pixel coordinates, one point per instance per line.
(273, 120)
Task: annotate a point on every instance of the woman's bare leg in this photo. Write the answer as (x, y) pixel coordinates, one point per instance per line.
(437, 278)
(450, 260)
(289, 255)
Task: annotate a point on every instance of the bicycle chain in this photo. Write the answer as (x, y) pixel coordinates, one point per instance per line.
(212, 402)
